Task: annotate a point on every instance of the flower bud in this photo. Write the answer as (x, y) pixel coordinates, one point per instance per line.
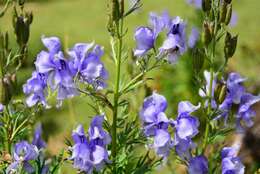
(122, 8)
(229, 14)
(222, 94)
(5, 93)
(223, 12)
(230, 45)
(207, 33)
(198, 57)
(206, 5)
(22, 27)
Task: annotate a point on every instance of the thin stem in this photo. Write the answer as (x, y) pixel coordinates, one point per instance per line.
(116, 92)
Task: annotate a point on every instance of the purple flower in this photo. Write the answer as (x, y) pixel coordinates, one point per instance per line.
(37, 139)
(35, 88)
(245, 112)
(235, 88)
(23, 153)
(230, 162)
(97, 133)
(144, 37)
(174, 45)
(198, 165)
(56, 66)
(86, 64)
(162, 142)
(156, 123)
(152, 114)
(90, 153)
(186, 127)
(195, 3)
(194, 36)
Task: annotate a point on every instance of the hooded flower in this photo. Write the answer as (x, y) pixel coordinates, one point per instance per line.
(56, 66)
(35, 88)
(37, 139)
(174, 45)
(156, 123)
(186, 127)
(245, 112)
(86, 64)
(90, 153)
(230, 162)
(198, 165)
(145, 37)
(22, 155)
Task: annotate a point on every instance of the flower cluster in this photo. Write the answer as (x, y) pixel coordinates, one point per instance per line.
(156, 125)
(231, 162)
(89, 153)
(236, 95)
(174, 44)
(56, 73)
(24, 153)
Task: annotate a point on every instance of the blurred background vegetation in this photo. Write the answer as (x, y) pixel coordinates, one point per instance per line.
(85, 21)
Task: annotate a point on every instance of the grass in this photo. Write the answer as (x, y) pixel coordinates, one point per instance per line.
(85, 21)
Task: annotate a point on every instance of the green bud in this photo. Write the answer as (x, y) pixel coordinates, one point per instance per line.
(229, 14)
(5, 93)
(223, 12)
(22, 27)
(206, 5)
(230, 45)
(122, 7)
(198, 58)
(222, 94)
(207, 33)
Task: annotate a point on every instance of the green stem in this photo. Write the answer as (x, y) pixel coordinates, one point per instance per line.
(116, 92)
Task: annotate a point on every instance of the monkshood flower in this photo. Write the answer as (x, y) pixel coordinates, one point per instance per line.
(194, 36)
(90, 153)
(156, 123)
(145, 37)
(35, 88)
(235, 90)
(86, 64)
(56, 66)
(235, 87)
(245, 112)
(186, 127)
(231, 163)
(175, 43)
(22, 155)
(196, 3)
(37, 138)
(198, 165)
(206, 91)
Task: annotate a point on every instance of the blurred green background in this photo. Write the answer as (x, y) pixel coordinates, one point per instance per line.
(85, 21)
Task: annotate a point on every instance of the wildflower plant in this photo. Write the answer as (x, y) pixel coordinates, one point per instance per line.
(122, 138)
